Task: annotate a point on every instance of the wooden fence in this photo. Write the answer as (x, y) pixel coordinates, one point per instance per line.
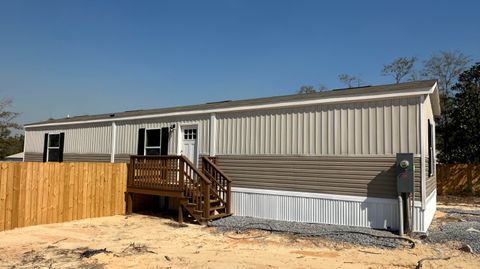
(41, 193)
(455, 179)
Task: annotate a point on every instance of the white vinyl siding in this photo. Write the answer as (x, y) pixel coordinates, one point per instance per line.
(362, 128)
(91, 138)
(127, 133)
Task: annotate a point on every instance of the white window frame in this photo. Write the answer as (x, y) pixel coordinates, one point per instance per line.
(145, 147)
(48, 146)
(190, 128)
(431, 149)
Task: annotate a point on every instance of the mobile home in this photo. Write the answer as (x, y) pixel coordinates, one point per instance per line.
(327, 157)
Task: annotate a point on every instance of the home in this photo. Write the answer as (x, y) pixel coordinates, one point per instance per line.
(327, 157)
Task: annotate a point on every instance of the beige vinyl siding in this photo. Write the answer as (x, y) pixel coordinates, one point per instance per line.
(362, 128)
(430, 181)
(86, 157)
(431, 185)
(122, 158)
(418, 181)
(70, 157)
(359, 176)
(33, 157)
(88, 138)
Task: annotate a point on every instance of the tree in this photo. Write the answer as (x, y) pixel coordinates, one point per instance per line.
(306, 89)
(349, 80)
(445, 67)
(400, 68)
(463, 143)
(310, 89)
(322, 88)
(9, 144)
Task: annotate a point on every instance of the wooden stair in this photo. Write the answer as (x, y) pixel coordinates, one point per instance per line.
(216, 210)
(218, 190)
(205, 194)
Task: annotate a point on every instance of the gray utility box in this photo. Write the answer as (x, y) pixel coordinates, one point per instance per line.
(405, 172)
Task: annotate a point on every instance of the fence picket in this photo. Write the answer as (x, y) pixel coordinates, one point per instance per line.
(454, 179)
(41, 193)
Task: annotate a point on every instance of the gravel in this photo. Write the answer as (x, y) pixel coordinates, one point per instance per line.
(458, 226)
(462, 226)
(346, 234)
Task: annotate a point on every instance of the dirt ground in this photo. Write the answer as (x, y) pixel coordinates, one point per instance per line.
(472, 202)
(142, 241)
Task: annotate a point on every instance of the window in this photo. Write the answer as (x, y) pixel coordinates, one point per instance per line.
(153, 142)
(53, 148)
(431, 157)
(190, 134)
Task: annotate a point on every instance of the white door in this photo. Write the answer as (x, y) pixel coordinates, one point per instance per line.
(189, 143)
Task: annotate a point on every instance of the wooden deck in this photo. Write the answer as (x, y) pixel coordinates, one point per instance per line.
(205, 194)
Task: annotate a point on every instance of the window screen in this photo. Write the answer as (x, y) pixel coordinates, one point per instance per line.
(153, 138)
(53, 149)
(152, 142)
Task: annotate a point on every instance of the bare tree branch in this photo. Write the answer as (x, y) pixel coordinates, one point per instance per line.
(445, 67)
(349, 80)
(400, 68)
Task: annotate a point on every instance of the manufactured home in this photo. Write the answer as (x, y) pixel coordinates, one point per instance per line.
(327, 157)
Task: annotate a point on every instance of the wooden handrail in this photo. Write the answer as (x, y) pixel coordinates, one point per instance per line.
(221, 183)
(209, 175)
(206, 159)
(154, 156)
(187, 161)
(199, 189)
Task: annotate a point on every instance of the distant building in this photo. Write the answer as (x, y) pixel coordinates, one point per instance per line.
(18, 157)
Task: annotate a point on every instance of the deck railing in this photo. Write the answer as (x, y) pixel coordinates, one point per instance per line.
(221, 184)
(155, 173)
(205, 191)
(197, 187)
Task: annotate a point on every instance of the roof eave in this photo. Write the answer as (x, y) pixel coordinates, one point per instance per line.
(435, 100)
(376, 96)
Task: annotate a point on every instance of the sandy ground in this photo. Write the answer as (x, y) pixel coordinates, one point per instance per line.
(461, 202)
(161, 243)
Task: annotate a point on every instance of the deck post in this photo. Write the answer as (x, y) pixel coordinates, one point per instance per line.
(229, 198)
(206, 200)
(129, 201)
(181, 171)
(180, 213)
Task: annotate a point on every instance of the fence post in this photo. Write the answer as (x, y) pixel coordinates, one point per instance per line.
(470, 179)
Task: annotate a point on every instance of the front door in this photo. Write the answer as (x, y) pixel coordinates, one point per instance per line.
(189, 143)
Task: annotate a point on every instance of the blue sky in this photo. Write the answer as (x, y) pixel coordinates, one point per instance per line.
(60, 58)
